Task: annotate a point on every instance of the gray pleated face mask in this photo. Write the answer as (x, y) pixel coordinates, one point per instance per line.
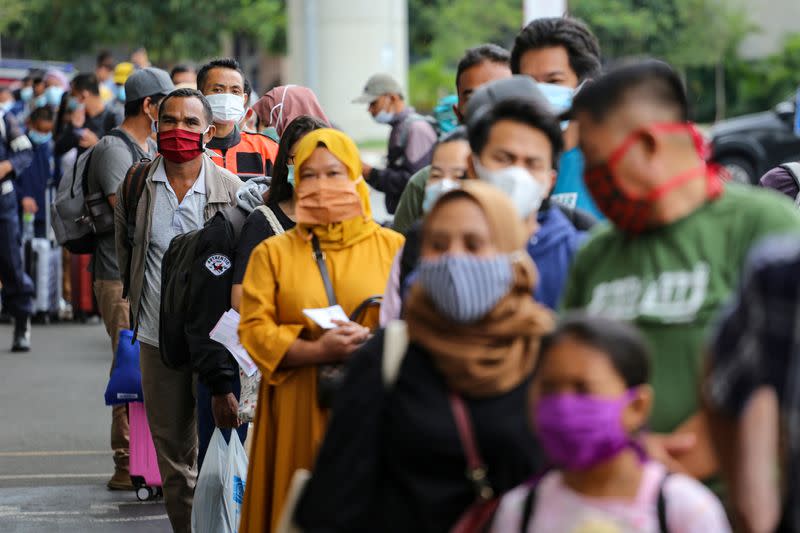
(465, 288)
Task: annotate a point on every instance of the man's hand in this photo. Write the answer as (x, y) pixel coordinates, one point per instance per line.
(29, 205)
(5, 168)
(225, 408)
(365, 170)
(88, 139)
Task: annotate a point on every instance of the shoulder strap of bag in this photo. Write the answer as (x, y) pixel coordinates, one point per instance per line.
(476, 468)
(395, 345)
(236, 218)
(119, 134)
(527, 509)
(272, 219)
(319, 257)
(133, 186)
(661, 506)
(794, 171)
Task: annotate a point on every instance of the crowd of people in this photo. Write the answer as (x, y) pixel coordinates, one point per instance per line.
(574, 322)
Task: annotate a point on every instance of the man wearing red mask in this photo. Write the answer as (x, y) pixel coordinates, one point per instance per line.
(675, 245)
(182, 189)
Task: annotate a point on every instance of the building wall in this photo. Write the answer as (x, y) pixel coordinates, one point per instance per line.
(335, 45)
(775, 20)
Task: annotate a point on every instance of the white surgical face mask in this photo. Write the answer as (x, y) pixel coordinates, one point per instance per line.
(227, 108)
(525, 191)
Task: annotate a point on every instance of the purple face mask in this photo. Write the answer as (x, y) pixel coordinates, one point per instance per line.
(579, 431)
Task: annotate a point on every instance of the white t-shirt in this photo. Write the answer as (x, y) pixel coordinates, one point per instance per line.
(690, 508)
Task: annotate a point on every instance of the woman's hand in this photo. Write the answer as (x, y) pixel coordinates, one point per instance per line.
(338, 343)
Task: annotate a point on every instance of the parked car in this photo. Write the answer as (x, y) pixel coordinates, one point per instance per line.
(750, 145)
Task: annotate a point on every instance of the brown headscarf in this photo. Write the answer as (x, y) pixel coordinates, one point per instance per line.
(494, 355)
(281, 105)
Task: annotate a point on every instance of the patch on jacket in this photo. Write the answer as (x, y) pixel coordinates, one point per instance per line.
(218, 264)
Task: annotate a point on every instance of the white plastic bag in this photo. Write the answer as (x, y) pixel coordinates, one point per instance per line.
(219, 493)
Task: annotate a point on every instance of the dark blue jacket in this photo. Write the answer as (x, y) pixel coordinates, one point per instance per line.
(34, 179)
(14, 145)
(552, 249)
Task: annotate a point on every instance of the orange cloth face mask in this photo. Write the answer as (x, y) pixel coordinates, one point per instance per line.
(322, 201)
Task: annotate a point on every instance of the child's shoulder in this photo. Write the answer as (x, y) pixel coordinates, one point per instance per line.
(691, 506)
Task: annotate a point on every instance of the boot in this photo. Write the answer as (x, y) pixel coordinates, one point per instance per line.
(22, 334)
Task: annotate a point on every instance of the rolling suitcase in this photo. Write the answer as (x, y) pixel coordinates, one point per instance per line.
(43, 265)
(144, 463)
(83, 304)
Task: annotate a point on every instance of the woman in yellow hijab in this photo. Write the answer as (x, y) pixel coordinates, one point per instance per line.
(283, 279)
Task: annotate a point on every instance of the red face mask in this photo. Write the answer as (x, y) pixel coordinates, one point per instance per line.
(180, 146)
(632, 213)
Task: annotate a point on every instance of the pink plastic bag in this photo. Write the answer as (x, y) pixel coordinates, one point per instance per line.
(144, 462)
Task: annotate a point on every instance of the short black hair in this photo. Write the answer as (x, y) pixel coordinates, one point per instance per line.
(224, 62)
(480, 54)
(180, 69)
(132, 109)
(573, 34)
(651, 79)
(521, 111)
(188, 93)
(42, 113)
(105, 59)
(280, 189)
(86, 81)
(625, 347)
(247, 90)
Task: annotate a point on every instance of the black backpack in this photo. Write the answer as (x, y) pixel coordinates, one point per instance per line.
(176, 286)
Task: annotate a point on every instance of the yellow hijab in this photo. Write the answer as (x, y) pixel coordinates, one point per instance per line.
(339, 234)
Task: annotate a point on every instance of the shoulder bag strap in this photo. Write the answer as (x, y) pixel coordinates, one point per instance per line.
(319, 257)
(476, 468)
(395, 345)
(272, 219)
(134, 187)
(527, 509)
(661, 506)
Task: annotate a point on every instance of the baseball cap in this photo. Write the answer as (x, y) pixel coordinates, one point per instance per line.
(378, 85)
(122, 71)
(517, 87)
(147, 82)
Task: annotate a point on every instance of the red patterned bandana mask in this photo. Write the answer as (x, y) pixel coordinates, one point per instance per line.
(632, 213)
(179, 145)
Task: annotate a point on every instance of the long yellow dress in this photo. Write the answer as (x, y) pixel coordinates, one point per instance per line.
(282, 279)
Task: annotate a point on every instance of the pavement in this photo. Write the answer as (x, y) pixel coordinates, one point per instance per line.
(55, 455)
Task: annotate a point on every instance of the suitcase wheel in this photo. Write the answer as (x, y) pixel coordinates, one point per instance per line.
(146, 494)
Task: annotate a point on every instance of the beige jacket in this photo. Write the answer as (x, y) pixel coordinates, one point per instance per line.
(221, 187)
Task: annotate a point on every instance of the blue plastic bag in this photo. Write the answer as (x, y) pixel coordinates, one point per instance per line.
(125, 383)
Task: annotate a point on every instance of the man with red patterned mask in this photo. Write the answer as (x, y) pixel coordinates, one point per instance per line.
(677, 238)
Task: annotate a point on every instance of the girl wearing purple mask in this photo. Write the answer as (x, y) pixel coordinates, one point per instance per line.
(589, 399)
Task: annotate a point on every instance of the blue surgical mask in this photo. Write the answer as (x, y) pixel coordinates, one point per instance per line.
(559, 97)
(384, 117)
(6, 106)
(291, 174)
(436, 189)
(73, 104)
(40, 101)
(121, 93)
(26, 94)
(465, 288)
(37, 137)
(54, 95)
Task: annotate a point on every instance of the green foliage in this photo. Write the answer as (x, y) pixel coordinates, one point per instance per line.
(170, 29)
(430, 79)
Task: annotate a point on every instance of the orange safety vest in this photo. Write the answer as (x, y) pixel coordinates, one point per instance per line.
(253, 155)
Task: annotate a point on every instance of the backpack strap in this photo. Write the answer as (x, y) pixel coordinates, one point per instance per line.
(794, 171)
(319, 257)
(133, 186)
(395, 345)
(661, 505)
(527, 509)
(119, 134)
(272, 219)
(236, 218)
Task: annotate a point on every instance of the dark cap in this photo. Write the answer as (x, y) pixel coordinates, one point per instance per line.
(147, 82)
(377, 86)
(517, 87)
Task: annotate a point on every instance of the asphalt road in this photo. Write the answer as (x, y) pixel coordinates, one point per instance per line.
(55, 453)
